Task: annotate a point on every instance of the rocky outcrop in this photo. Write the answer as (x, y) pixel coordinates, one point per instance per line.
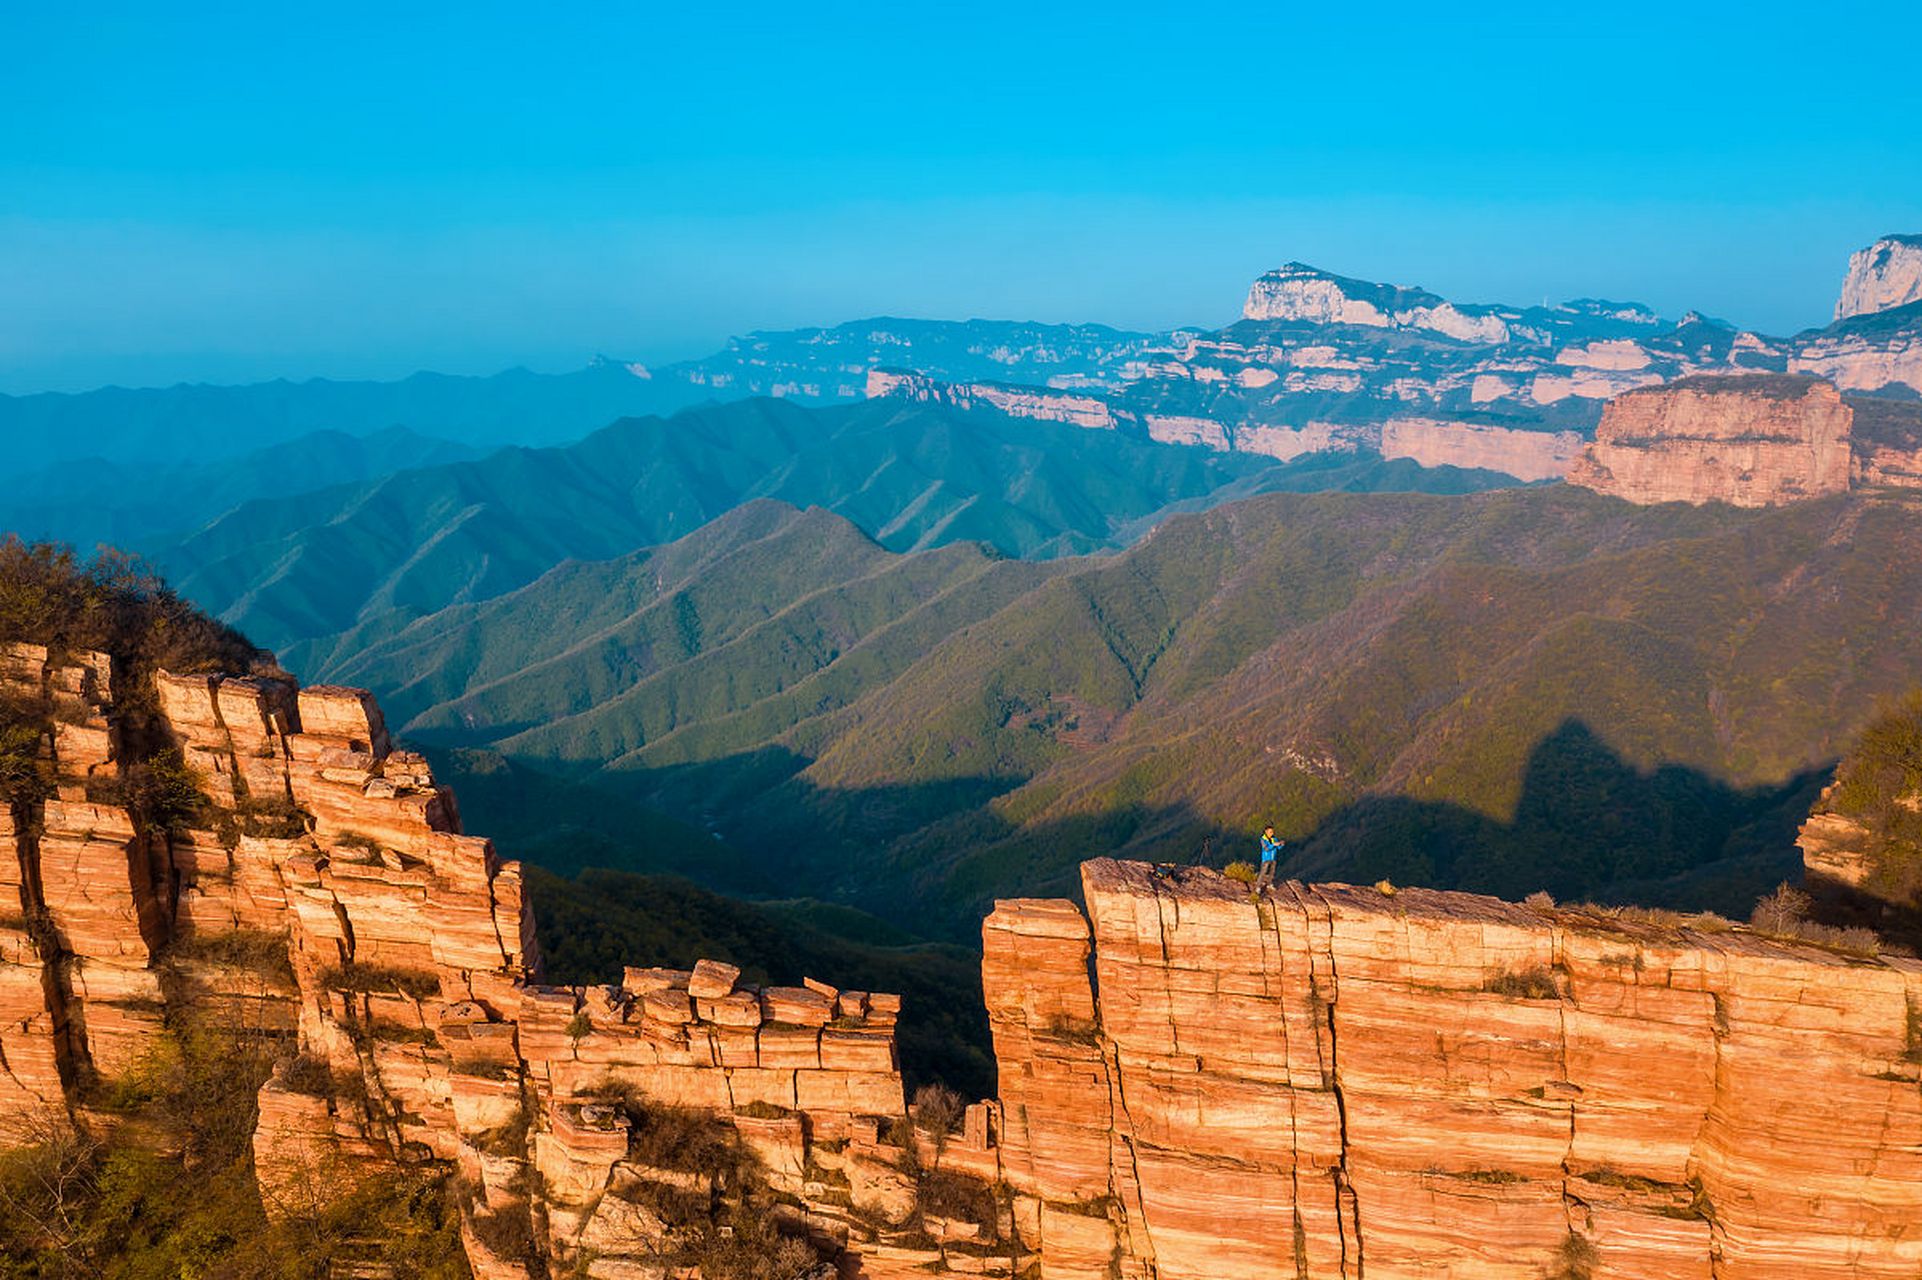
(400, 967)
(1526, 455)
(1193, 1082)
(1321, 362)
(1886, 275)
(1750, 441)
(1880, 353)
(1299, 293)
(1021, 402)
(1330, 1081)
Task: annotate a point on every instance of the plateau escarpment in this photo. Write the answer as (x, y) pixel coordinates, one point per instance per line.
(1749, 440)
(1322, 361)
(1199, 1082)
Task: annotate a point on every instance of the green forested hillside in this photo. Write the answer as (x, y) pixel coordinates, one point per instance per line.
(324, 575)
(1527, 689)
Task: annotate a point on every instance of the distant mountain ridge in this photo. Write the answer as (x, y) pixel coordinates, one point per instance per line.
(323, 576)
(1314, 354)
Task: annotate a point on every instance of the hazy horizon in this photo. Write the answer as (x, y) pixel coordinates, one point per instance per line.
(215, 198)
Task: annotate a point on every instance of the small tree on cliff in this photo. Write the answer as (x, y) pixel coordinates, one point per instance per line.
(1880, 786)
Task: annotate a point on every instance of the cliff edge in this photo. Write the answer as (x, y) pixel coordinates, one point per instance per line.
(1334, 1081)
(1750, 440)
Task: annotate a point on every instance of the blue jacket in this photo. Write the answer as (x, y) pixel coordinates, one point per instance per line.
(1270, 847)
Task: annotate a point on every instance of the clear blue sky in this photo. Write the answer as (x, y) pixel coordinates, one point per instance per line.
(205, 192)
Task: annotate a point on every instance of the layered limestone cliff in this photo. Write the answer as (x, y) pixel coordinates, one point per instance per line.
(1886, 275)
(1879, 355)
(1300, 293)
(1041, 403)
(1342, 1082)
(1749, 440)
(400, 973)
(1526, 455)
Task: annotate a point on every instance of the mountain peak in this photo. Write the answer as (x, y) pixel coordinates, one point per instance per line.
(1886, 275)
(1302, 294)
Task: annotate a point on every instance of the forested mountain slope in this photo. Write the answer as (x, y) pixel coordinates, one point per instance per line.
(324, 576)
(1507, 691)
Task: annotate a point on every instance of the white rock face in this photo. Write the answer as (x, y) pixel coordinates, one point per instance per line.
(1302, 294)
(1886, 274)
(1856, 363)
(1526, 455)
(1299, 293)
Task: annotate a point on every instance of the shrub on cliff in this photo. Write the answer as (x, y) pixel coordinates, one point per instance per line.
(170, 1190)
(1880, 786)
(24, 777)
(112, 603)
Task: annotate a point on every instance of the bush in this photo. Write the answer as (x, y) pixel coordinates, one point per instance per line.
(952, 1195)
(1534, 983)
(308, 1075)
(751, 1247)
(269, 818)
(1242, 871)
(1072, 1030)
(165, 792)
(1577, 1259)
(392, 1032)
(683, 1139)
(1781, 911)
(508, 1232)
(24, 725)
(1783, 915)
(263, 951)
(112, 603)
(938, 1109)
(366, 847)
(1880, 786)
(421, 984)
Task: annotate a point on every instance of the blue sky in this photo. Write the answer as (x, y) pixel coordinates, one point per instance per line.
(229, 193)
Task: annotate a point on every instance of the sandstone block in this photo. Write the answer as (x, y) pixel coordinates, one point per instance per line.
(796, 1006)
(741, 1009)
(641, 981)
(710, 979)
(669, 1005)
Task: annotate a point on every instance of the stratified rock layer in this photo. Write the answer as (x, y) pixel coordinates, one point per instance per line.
(1342, 1082)
(414, 1031)
(1748, 440)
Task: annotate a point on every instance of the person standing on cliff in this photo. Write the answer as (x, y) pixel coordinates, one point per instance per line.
(1270, 850)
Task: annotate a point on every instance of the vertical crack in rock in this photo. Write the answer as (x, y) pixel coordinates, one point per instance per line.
(1344, 1185)
(1558, 960)
(1269, 921)
(1117, 1082)
(28, 819)
(70, 1057)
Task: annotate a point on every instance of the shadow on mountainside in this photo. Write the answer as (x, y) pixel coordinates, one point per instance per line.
(931, 857)
(1587, 825)
(886, 886)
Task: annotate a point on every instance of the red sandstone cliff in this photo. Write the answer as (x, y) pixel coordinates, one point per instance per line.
(1340, 1082)
(1751, 440)
(416, 1033)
